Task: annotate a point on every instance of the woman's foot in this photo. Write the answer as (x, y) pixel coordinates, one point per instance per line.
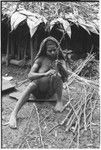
(59, 106)
(13, 121)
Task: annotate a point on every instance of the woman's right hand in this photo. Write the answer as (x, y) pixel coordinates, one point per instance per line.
(50, 72)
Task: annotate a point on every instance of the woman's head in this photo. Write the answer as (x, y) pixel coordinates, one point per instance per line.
(51, 48)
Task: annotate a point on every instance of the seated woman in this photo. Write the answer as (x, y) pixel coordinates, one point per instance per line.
(46, 75)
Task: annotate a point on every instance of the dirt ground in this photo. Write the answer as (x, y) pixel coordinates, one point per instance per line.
(36, 119)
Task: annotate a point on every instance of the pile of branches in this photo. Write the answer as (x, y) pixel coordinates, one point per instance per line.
(81, 109)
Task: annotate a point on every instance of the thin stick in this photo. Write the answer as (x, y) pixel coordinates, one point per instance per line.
(78, 134)
(46, 116)
(82, 65)
(91, 120)
(39, 125)
(60, 124)
(67, 104)
(63, 122)
(85, 98)
(28, 144)
(82, 79)
(70, 122)
(72, 140)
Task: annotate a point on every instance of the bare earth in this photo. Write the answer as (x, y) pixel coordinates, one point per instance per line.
(35, 120)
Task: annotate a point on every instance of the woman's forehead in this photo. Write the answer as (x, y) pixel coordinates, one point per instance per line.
(50, 43)
(51, 46)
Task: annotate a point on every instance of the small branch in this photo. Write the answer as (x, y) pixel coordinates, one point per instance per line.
(60, 124)
(70, 122)
(67, 104)
(85, 99)
(63, 122)
(72, 140)
(39, 125)
(46, 116)
(57, 125)
(91, 120)
(81, 79)
(28, 144)
(78, 134)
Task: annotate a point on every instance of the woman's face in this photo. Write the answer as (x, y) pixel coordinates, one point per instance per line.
(51, 50)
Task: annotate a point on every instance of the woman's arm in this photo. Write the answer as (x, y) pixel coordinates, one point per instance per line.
(34, 74)
(63, 70)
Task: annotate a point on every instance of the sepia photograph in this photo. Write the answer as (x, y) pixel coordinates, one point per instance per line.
(50, 75)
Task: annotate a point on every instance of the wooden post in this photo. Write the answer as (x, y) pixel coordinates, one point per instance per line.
(35, 47)
(25, 48)
(31, 49)
(19, 41)
(19, 50)
(7, 53)
(12, 45)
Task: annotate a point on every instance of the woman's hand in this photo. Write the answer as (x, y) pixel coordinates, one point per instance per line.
(50, 72)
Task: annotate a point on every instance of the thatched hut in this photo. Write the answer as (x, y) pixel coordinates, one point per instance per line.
(21, 37)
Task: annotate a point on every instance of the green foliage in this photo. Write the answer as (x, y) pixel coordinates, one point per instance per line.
(84, 14)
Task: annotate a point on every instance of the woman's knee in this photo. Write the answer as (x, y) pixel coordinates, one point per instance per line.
(57, 82)
(32, 86)
(56, 77)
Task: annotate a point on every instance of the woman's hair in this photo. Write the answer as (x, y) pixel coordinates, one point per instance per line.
(43, 47)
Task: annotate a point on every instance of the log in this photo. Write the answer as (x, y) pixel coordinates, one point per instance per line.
(16, 62)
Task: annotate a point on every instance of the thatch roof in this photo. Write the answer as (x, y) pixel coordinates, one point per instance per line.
(83, 14)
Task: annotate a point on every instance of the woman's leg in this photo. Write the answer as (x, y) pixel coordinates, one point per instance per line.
(25, 95)
(58, 87)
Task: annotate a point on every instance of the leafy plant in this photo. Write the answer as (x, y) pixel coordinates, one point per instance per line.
(84, 14)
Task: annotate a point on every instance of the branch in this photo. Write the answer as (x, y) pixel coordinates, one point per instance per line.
(39, 125)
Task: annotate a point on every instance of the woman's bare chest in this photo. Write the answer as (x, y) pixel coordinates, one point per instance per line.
(46, 65)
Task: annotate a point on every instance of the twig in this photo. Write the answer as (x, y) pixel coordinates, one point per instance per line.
(74, 114)
(82, 65)
(46, 116)
(67, 104)
(86, 104)
(78, 133)
(39, 125)
(70, 122)
(75, 128)
(91, 111)
(85, 99)
(28, 144)
(22, 82)
(63, 122)
(60, 124)
(72, 140)
(72, 119)
(91, 120)
(82, 79)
